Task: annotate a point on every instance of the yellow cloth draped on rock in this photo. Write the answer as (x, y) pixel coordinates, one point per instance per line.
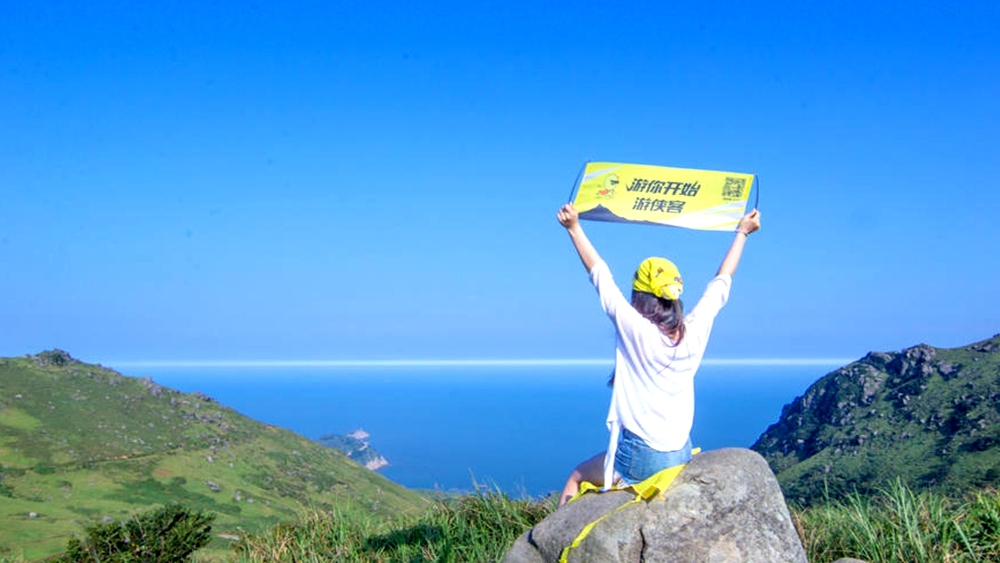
(644, 491)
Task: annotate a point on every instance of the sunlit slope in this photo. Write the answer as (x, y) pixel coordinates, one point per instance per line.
(80, 443)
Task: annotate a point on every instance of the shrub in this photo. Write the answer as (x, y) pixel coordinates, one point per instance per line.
(166, 535)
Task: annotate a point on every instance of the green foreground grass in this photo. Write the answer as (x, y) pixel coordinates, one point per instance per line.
(478, 527)
(896, 525)
(899, 525)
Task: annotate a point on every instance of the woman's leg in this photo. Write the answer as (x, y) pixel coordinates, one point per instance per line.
(591, 470)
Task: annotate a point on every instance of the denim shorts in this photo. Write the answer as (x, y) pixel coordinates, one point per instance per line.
(635, 461)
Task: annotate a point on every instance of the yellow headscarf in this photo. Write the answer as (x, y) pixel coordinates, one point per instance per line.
(660, 277)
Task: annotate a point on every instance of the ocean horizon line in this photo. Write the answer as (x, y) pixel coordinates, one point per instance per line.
(444, 363)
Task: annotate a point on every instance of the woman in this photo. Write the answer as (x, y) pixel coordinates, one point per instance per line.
(657, 353)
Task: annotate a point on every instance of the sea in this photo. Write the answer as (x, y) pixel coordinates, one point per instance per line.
(513, 429)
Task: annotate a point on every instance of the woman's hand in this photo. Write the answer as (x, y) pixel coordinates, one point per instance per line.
(568, 217)
(749, 223)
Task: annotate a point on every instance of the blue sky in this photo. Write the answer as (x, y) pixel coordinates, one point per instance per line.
(379, 180)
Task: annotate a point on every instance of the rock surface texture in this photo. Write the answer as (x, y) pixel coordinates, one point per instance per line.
(726, 506)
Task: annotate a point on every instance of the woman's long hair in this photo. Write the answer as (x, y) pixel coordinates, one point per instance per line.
(666, 314)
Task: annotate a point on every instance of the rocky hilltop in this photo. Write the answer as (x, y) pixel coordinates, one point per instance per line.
(928, 416)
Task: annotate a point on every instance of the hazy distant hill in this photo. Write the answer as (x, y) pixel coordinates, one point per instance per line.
(80, 443)
(929, 416)
(355, 445)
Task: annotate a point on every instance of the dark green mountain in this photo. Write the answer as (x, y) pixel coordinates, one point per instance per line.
(81, 444)
(928, 416)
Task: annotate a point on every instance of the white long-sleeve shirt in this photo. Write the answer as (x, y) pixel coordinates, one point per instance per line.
(653, 393)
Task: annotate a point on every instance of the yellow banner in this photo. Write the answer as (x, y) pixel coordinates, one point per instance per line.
(680, 197)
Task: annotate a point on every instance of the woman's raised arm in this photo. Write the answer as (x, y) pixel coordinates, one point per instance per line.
(748, 224)
(569, 218)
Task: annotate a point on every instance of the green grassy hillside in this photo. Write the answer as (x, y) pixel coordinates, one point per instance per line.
(80, 444)
(929, 416)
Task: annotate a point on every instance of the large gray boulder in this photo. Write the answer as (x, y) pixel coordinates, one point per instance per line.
(725, 506)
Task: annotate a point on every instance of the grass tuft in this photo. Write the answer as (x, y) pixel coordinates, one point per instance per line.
(899, 525)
